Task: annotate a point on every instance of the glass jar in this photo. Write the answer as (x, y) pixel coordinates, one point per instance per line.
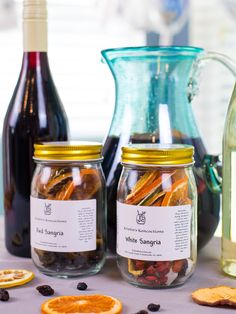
(68, 209)
(157, 215)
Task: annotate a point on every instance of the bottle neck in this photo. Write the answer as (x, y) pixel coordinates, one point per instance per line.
(35, 26)
(35, 61)
(35, 35)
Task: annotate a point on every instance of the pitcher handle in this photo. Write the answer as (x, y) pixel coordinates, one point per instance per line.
(229, 63)
(212, 164)
(212, 171)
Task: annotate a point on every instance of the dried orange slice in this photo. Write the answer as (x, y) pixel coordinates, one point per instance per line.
(131, 269)
(14, 277)
(214, 296)
(154, 187)
(178, 193)
(145, 180)
(152, 199)
(57, 182)
(66, 192)
(89, 304)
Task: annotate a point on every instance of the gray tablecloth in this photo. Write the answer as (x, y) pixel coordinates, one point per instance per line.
(26, 299)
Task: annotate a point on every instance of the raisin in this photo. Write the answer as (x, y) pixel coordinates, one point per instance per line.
(142, 312)
(45, 290)
(79, 261)
(153, 307)
(82, 286)
(4, 295)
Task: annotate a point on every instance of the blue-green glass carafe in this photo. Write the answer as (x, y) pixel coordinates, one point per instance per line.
(154, 90)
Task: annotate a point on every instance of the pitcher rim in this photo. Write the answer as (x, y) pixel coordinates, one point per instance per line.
(129, 51)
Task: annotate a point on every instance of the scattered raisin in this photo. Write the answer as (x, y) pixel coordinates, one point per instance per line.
(45, 290)
(4, 295)
(153, 307)
(142, 312)
(82, 286)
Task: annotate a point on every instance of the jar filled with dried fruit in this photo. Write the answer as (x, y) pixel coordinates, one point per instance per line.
(68, 209)
(157, 215)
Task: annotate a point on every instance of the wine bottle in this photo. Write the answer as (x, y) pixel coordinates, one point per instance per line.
(35, 114)
(228, 250)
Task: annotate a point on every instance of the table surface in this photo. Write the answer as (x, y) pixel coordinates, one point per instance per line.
(26, 299)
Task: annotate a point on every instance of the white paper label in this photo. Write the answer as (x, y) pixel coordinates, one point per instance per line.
(153, 233)
(63, 226)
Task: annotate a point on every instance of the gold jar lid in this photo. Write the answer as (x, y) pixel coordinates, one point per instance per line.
(66, 151)
(158, 154)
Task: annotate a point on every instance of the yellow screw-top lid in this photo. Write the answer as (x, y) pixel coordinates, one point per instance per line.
(158, 154)
(66, 151)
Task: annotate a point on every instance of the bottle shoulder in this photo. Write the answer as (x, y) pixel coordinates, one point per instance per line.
(35, 98)
(35, 104)
(34, 90)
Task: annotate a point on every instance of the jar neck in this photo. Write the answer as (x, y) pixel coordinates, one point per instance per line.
(153, 167)
(60, 163)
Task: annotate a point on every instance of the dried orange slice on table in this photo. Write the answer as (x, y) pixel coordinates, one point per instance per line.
(215, 296)
(14, 277)
(80, 304)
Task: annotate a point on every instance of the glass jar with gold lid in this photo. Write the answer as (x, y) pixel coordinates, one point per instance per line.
(68, 209)
(156, 215)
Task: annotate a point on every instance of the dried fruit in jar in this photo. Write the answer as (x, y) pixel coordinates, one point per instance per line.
(178, 194)
(65, 185)
(134, 270)
(150, 187)
(155, 188)
(77, 260)
(70, 184)
(215, 296)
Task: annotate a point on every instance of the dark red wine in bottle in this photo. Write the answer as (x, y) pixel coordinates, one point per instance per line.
(35, 114)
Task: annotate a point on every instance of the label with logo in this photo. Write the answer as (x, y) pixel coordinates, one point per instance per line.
(63, 226)
(154, 233)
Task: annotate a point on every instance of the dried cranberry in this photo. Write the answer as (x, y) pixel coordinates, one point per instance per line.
(163, 280)
(178, 265)
(153, 307)
(162, 266)
(163, 272)
(151, 270)
(139, 265)
(144, 281)
(45, 290)
(151, 278)
(4, 295)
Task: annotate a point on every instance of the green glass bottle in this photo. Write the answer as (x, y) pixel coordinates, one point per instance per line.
(228, 252)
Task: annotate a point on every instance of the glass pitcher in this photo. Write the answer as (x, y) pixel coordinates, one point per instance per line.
(154, 90)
